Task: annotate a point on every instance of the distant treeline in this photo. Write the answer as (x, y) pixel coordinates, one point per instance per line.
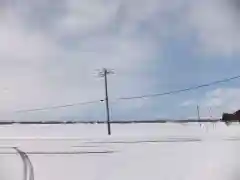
(113, 122)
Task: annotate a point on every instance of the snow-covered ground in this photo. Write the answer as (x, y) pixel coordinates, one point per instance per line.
(133, 152)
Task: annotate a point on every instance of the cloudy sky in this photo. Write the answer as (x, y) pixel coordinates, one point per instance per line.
(51, 51)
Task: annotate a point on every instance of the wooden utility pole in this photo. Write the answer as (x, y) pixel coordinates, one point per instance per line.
(198, 114)
(104, 73)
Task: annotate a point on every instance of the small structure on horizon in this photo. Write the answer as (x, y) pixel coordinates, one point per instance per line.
(228, 118)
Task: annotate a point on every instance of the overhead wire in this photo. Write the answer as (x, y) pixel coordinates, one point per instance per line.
(180, 90)
(58, 107)
(134, 97)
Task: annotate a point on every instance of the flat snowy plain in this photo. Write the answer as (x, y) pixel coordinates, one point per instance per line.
(133, 152)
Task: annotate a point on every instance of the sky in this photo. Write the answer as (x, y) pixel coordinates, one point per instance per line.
(52, 50)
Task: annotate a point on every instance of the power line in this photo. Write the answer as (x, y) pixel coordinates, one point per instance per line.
(58, 107)
(180, 90)
(133, 97)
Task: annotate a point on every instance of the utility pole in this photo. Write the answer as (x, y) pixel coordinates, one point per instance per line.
(198, 114)
(104, 73)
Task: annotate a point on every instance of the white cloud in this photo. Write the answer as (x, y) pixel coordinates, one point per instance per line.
(51, 61)
(217, 26)
(218, 101)
(227, 99)
(22, 52)
(49, 50)
(84, 17)
(188, 103)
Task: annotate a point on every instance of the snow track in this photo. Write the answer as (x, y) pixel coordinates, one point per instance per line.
(134, 152)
